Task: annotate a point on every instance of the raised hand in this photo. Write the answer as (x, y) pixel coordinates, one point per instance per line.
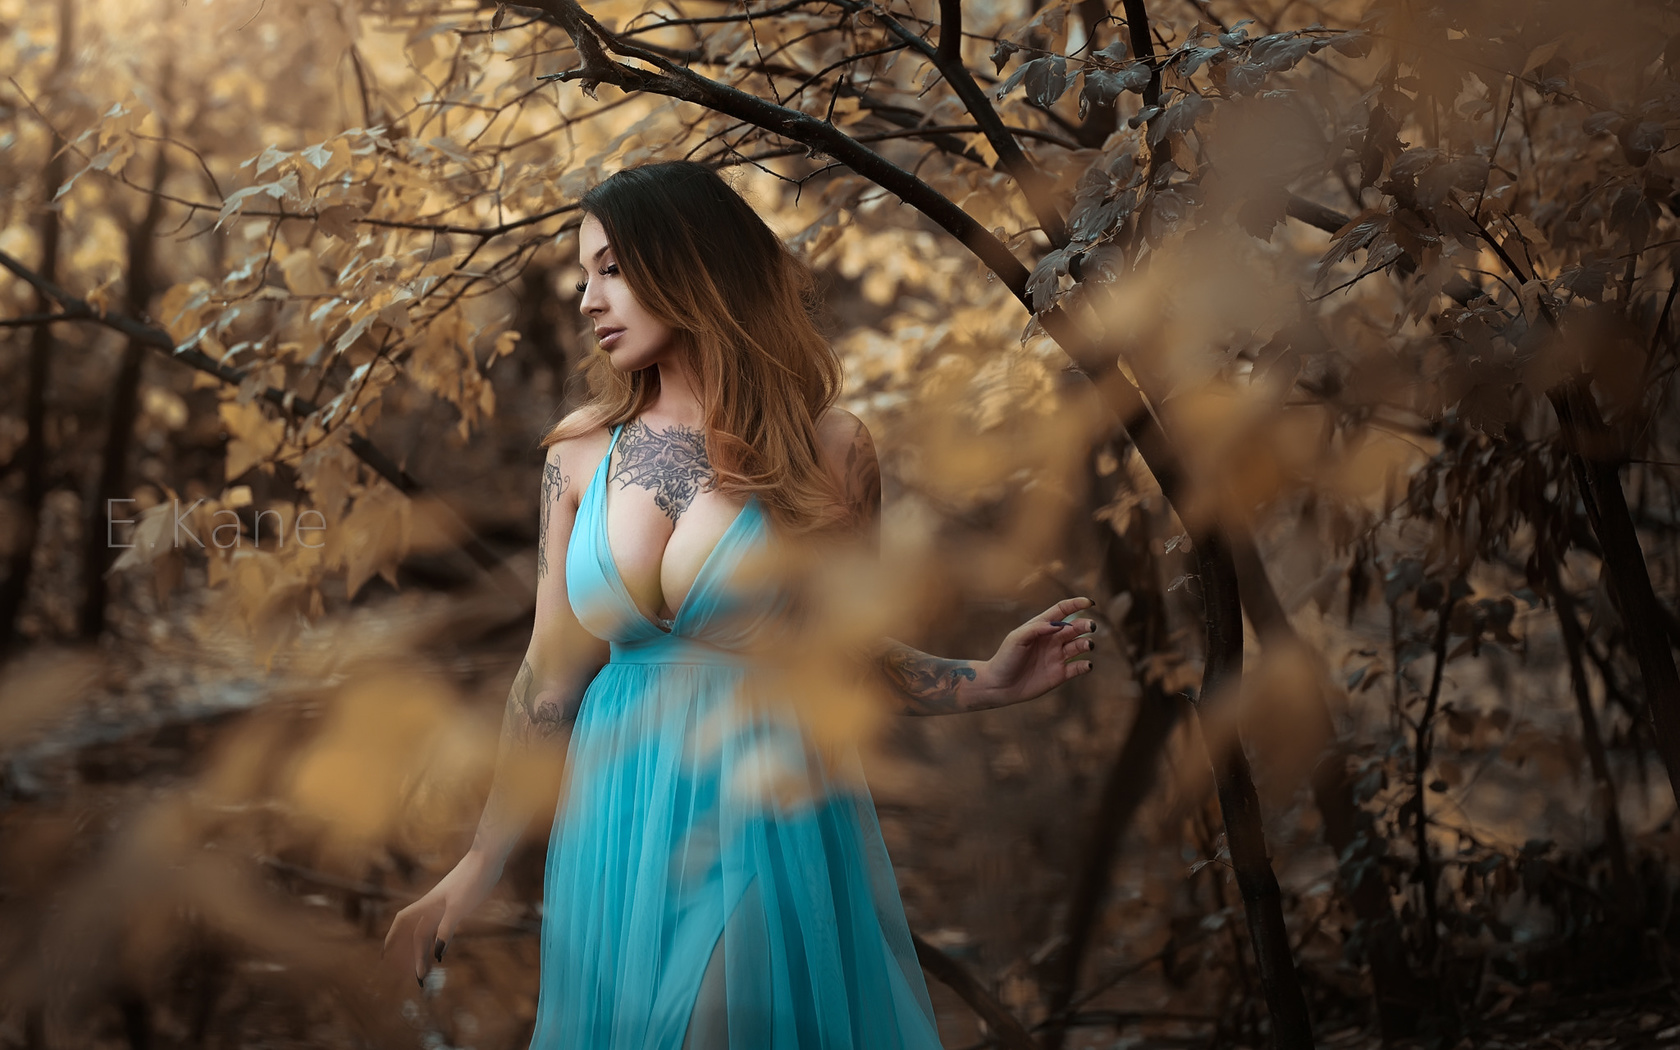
(1036, 657)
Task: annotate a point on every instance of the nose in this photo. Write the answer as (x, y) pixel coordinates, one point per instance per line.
(593, 302)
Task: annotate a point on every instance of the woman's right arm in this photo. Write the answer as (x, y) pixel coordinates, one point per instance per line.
(559, 664)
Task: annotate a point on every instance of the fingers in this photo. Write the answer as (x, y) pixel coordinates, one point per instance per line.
(422, 948)
(407, 929)
(1077, 646)
(421, 942)
(391, 934)
(1036, 633)
(1075, 627)
(445, 931)
(1065, 608)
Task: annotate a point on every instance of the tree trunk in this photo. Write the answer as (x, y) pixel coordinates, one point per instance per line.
(32, 458)
(1239, 802)
(1627, 889)
(1595, 455)
(125, 399)
(1130, 778)
(1348, 829)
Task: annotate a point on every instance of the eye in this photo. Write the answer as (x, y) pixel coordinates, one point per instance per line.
(580, 286)
(609, 270)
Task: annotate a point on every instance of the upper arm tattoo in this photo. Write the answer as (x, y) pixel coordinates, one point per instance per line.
(530, 718)
(672, 463)
(554, 484)
(927, 684)
(863, 478)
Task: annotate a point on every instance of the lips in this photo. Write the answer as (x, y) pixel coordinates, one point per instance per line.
(608, 336)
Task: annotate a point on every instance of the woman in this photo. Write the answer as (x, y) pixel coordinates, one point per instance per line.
(684, 906)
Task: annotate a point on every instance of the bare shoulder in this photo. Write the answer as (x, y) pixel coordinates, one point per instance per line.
(571, 460)
(848, 452)
(843, 437)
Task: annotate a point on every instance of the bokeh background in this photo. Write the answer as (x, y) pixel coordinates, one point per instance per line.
(1356, 314)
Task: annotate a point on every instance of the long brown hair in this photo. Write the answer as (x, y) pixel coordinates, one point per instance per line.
(698, 257)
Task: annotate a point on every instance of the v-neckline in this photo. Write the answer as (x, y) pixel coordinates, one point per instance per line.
(600, 483)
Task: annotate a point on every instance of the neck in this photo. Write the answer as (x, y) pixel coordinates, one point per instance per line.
(679, 391)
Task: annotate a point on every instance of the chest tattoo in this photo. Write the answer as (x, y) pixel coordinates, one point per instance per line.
(671, 463)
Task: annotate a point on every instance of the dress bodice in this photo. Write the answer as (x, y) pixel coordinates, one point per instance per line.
(714, 620)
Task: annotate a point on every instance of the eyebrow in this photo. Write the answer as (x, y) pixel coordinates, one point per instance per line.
(602, 250)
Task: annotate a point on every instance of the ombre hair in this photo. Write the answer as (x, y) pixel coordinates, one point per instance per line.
(699, 258)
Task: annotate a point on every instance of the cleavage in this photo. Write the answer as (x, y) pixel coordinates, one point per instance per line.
(663, 518)
(657, 558)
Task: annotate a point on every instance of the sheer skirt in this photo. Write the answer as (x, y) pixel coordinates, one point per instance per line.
(709, 887)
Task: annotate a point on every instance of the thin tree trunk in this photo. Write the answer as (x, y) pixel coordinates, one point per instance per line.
(1425, 739)
(1103, 118)
(1348, 830)
(1595, 455)
(32, 458)
(1239, 802)
(1130, 777)
(535, 322)
(1627, 889)
(125, 398)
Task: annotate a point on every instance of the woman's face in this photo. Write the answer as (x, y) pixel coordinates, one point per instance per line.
(632, 337)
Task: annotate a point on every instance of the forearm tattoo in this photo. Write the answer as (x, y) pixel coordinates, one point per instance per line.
(554, 484)
(533, 718)
(928, 685)
(672, 463)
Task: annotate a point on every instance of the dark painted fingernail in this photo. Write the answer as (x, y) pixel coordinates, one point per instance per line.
(1060, 623)
(421, 981)
(437, 951)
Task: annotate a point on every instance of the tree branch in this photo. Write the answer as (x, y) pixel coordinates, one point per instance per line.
(593, 43)
(1038, 188)
(287, 401)
(950, 31)
(31, 320)
(1143, 45)
(1004, 1025)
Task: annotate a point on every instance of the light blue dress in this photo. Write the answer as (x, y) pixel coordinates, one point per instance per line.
(675, 888)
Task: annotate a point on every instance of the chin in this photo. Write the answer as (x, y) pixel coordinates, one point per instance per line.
(636, 358)
(629, 361)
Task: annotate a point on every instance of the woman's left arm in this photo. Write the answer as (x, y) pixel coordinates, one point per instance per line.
(1033, 659)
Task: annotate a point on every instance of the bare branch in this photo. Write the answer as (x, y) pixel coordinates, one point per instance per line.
(31, 320)
(1004, 1025)
(1038, 188)
(950, 30)
(593, 43)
